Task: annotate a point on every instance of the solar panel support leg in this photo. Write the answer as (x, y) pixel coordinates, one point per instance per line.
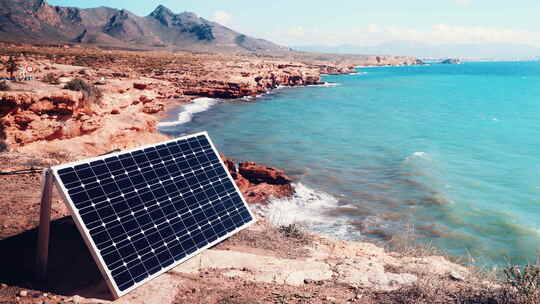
(42, 253)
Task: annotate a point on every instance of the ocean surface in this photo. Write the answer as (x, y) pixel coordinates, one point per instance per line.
(447, 154)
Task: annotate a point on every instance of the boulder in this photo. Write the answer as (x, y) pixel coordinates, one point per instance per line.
(451, 61)
(257, 174)
(153, 108)
(145, 99)
(140, 86)
(262, 193)
(259, 183)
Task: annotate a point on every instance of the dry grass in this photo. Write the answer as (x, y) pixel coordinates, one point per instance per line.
(271, 239)
(430, 291)
(520, 285)
(406, 244)
(232, 299)
(62, 157)
(437, 291)
(34, 163)
(524, 281)
(295, 231)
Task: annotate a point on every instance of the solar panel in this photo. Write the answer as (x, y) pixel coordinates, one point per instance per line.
(144, 211)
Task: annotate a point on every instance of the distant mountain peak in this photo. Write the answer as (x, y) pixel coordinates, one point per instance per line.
(35, 20)
(163, 14)
(39, 4)
(162, 10)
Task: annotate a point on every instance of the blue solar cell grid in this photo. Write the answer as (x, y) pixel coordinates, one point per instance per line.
(148, 209)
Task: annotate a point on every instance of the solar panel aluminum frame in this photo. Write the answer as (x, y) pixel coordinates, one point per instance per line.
(116, 292)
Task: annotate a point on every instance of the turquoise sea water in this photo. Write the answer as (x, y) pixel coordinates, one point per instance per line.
(449, 153)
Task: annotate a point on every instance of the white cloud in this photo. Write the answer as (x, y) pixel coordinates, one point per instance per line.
(222, 17)
(373, 34)
(296, 31)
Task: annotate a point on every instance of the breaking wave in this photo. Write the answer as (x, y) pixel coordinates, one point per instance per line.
(198, 105)
(308, 207)
(325, 85)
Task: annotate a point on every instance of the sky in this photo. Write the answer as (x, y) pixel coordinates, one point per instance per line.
(359, 22)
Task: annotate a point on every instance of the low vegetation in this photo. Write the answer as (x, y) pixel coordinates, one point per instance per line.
(4, 86)
(518, 288)
(3, 146)
(406, 243)
(524, 282)
(51, 78)
(11, 66)
(77, 85)
(91, 93)
(514, 285)
(294, 231)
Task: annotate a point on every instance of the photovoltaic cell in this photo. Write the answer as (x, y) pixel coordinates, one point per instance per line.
(144, 211)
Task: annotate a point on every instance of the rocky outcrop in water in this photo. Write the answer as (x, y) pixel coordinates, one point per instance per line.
(451, 61)
(336, 70)
(259, 183)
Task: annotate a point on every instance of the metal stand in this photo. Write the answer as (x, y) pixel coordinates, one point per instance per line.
(42, 252)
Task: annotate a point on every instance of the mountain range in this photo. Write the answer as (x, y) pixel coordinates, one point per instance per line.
(37, 21)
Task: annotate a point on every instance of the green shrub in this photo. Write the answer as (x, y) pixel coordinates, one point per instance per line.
(77, 85)
(4, 86)
(3, 146)
(12, 66)
(51, 79)
(293, 231)
(91, 93)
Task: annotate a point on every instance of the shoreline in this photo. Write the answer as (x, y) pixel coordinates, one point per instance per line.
(172, 108)
(379, 236)
(44, 120)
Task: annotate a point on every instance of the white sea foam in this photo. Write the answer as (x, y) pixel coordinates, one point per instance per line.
(313, 210)
(307, 206)
(325, 85)
(198, 105)
(416, 155)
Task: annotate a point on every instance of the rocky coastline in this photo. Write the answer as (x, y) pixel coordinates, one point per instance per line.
(43, 124)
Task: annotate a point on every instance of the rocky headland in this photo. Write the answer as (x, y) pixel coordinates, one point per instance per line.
(137, 88)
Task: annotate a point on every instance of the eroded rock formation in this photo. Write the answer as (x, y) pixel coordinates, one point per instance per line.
(259, 183)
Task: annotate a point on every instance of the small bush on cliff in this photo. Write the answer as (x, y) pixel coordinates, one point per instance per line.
(91, 93)
(4, 86)
(12, 66)
(525, 280)
(51, 79)
(77, 85)
(3, 146)
(294, 231)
